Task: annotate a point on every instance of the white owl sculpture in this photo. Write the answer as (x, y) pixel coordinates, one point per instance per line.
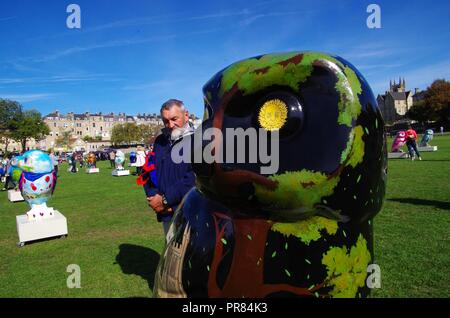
(37, 183)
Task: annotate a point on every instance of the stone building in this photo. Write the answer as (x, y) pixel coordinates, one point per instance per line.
(98, 126)
(396, 102)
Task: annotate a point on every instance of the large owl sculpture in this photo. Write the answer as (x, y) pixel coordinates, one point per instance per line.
(14, 170)
(132, 157)
(399, 141)
(120, 160)
(303, 230)
(427, 137)
(37, 183)
(91, 160)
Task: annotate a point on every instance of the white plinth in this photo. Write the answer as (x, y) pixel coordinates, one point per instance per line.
(120, 173)
(14, 196)
(40, 229)
(93, 170)
(427, 148)
(398, 155)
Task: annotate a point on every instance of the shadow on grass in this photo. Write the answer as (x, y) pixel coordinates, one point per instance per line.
(438, 204)
(138, 260)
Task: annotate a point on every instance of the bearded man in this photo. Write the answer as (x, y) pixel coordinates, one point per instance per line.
(173, 180)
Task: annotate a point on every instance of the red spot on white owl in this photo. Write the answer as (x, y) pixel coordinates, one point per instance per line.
(33, 187)
(47, 179)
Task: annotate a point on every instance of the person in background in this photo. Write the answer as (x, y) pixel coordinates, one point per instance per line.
(411, 143)
(112, 159)
(140, 159)
(74, 163)
(173, 180)
(2, 171)
(54, 159)
(9, 184)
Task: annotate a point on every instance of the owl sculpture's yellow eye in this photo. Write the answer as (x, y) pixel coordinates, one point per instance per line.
(273, 114)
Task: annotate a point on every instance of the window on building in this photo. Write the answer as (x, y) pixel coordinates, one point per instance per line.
(93, 125)
(54, 124)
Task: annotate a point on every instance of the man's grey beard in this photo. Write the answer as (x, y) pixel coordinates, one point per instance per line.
(179, 132)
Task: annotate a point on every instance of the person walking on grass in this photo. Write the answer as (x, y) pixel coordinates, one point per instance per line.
(411, 143)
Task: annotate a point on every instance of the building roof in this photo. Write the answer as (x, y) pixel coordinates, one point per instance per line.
(54, 114)
(398, 95)
(79, 116)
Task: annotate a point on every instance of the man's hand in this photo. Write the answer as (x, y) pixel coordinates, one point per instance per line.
(156, 203)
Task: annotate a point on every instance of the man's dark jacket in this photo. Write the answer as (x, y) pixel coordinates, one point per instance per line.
(174, 179)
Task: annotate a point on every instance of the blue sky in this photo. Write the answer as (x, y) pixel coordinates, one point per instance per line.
(130, 56)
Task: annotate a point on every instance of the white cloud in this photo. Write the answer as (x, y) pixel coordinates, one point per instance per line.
(421, 77)
(24, 98)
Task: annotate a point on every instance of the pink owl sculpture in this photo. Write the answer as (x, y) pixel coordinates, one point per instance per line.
(399, 141)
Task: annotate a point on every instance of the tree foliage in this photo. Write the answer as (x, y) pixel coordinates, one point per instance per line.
(421, 112)
(148, 133)
(125, 134)
(30, 125)
(435, 106)
(130, 133)
(437, 97)
(10, 114)
(65, 140)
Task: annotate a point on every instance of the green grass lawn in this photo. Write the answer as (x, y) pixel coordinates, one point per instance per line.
(113, 237)
(116, 241)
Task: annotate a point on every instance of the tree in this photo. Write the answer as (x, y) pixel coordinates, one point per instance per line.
(437, 97)
(10, 114)
(117, 134)
(421, 112)
(88, 139)
(149, 132)
(125, 133)
(30, 125)
(65, 140)
(131, 133)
